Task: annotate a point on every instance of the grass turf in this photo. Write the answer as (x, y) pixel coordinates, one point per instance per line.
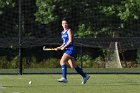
(98, 83)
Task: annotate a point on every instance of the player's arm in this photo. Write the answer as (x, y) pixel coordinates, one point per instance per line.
(69, 41)
(59, 48)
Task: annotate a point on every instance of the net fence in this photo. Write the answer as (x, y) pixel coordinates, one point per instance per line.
(27, 25)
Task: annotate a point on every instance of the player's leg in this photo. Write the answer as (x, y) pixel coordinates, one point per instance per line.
(63, 60)
(73, 64)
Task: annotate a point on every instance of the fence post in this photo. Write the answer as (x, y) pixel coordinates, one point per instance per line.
(81, 50)
(19, 39)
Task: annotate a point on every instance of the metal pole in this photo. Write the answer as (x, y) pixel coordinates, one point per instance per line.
(81, 56)
(19, 39)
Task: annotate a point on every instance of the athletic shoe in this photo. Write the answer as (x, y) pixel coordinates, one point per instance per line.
(85, 79)
(62, 80)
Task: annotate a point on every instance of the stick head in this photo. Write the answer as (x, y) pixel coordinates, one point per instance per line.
(44, 47)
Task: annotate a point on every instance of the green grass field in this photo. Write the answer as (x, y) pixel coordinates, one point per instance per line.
(46, 83)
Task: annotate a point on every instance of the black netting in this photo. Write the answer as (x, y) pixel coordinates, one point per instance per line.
(97, 20)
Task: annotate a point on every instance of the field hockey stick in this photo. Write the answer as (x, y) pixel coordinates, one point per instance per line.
(49, 49)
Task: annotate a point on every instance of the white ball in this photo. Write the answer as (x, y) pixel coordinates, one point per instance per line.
(11, 46)
(30, 82)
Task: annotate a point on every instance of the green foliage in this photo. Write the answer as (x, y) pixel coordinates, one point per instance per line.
(138, 57)
(138, 2)
(86, 60)
(45, 63)
(128, 9)
(7, 64)
(11, 62)
(100, 62)
(6, 3)
(105, 31)
(83, 31)
(89, 18)
(108, 10)
(124, 13)
(86, 31)
(45, 11)
(125, 10)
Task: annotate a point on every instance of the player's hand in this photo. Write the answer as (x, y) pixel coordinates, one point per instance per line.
(62, 48)
(58, 48)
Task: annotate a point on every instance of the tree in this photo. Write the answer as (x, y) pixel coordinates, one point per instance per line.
(126, 14)
(45, 11)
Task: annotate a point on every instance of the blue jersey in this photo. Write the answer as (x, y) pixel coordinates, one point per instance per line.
(70, 48)
(65, 38)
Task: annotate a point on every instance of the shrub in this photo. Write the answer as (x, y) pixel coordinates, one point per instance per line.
(86, 60)
(138, 57)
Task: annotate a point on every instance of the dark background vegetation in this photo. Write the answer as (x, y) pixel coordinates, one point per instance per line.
(41, 22)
